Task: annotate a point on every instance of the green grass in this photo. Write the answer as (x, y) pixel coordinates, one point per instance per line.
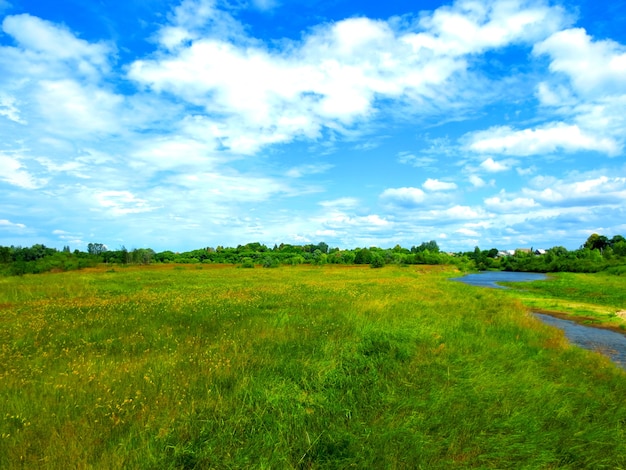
(303, 367)
(590, 298)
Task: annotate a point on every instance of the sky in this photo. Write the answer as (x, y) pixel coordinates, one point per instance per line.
(178, 125)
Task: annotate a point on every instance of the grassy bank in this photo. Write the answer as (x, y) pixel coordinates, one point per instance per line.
(598, 299)
(304, 367)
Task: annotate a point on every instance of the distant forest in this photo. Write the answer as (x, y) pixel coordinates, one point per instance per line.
(598, 253)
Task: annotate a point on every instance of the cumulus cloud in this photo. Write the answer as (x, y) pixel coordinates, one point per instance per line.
(193, 134)
(459, 212)
(471, 27)
(476, 181)
(594, 68)
(509, 205)
(467, 232)
(404, 197)
(371, 222)
(492, 166)
(195, 19)
(344, 202)
(587, 92)
(597, 191)
(435, 185)
(337, 74)
(542, 140)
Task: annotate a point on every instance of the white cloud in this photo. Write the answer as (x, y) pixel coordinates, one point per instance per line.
(194, 19)
(476, 181)
(526, 171)
(341, 221)
(595, 68)
(72, 109)
(326, 233)
(410, 159)
(229, 187)
(467, 232)
(469, 27)
(510, 205)
(587, 91)
(542, 140)
(9, 109)
(119, 203)
(43, 46)
(492, 166)
(174, 155)
(14, 173)
(587, 87)
(403, 197)
(168, 153)
(335, 75)
(436, 185)
(7, 224)
(344, 203)
(76, 167)
(597, 191)
(460, 213)
(302, 170)
(557, 95)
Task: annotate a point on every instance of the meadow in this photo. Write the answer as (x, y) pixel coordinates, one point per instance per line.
(208, 366)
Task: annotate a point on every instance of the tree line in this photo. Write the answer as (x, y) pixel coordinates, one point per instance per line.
(598, 253)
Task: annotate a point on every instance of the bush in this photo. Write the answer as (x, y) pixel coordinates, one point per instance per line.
(270, 262)
(247, 263)
(377, 261)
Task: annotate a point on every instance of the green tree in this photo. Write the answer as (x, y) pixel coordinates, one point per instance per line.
(323, 247)
(363, 256)
(96, 248)
(619, 248)
(596, 242)
(430, 246)
(5, 254)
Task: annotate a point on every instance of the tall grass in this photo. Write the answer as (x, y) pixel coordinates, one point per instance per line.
(302, 367)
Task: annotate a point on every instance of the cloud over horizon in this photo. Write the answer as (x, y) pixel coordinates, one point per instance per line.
(207, 124)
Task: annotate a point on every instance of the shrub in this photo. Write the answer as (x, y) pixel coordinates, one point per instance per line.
(247, 263)
(377, 261)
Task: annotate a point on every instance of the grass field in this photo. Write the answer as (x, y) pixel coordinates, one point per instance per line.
(304, 367)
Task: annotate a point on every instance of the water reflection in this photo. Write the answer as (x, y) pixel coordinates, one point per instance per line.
(607, 342)
(490, 278)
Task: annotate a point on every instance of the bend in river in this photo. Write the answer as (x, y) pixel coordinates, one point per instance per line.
(609, 343)
(491, 278)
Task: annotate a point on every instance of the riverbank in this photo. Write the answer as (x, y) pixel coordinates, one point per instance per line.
(597, 299)
(611, 344)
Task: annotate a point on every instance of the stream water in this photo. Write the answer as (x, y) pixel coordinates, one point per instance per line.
(607, 342)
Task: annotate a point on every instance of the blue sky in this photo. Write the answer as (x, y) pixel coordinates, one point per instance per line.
(180, 125)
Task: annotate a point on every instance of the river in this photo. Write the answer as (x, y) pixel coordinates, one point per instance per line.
(607, 342)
